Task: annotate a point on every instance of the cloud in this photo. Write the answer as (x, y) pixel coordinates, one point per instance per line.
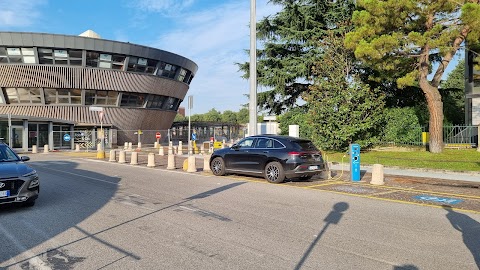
(216, 39)
(19, 13)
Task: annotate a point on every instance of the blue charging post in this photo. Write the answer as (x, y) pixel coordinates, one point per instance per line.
(354, 162)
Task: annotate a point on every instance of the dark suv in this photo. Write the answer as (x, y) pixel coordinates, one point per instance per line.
(275, 157)
(18, 181)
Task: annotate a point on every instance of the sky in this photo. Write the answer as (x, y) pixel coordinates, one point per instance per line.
(214, 34)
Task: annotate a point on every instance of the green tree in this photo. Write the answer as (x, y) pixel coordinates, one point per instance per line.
(229, 116)
(295, 116)
(401, 125)
(407, 37)
(453, 93)
(290, 49)
(243, 116)
(179, 118)
(213, 116)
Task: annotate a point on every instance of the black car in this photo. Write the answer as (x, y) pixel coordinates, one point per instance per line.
(18, 182)
(275, 157)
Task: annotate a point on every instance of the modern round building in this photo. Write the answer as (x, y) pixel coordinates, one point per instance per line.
(49, 84)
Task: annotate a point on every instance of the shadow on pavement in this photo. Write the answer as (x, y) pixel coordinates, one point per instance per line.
(61, 205)
(332, 218)
(470, 230)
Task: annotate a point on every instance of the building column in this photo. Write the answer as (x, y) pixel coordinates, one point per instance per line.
(50, 135)
(72, 137)
(25, 136)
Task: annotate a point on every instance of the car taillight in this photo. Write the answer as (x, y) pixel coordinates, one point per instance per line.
(294, 153)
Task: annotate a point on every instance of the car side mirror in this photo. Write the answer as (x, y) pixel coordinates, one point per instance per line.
(235, 147)
(24, 158)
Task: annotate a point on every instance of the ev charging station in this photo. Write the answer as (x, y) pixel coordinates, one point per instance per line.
(354, 162)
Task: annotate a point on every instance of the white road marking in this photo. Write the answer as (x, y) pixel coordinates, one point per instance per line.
(35, 261)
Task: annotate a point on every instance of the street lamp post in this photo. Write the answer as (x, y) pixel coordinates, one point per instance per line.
(252, 129)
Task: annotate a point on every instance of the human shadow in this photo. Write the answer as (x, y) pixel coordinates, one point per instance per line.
(68, 196)
(470, 230)
(332, 218)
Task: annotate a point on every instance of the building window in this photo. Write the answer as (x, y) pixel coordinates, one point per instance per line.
(167, 70)
(63, 96)
(92, 59)
(62, 57)
(155, 101)
(138, 64)
(171, 104)
(17, 55)
(23, 95)
(100, 97)
(133, 100)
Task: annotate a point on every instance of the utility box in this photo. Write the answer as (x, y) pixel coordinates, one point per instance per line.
(354, 162)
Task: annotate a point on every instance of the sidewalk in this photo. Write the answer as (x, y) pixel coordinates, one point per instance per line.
(426, 173)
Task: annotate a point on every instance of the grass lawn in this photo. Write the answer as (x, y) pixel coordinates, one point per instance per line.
(449, 159)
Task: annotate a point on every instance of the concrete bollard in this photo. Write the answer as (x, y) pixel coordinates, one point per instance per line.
(224, 144)
(134, 158)
(192, 167)
(45, 148)
(34, 149)
(161, 151)
(113, 156)
(77, 147)
(129, 146)
(327, 174)
(139, 145)
(206, 163)
(180, 148)
(125, 146)
(171, 162)
(122, 157)
(175, 150)
(202, 149)
(155, 145)
(377, 175)
(151, 160)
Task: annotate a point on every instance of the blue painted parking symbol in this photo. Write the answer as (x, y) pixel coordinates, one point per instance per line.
(438, 199)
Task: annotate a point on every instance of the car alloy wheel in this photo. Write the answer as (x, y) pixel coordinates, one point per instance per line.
(274, 172)
(218, 166)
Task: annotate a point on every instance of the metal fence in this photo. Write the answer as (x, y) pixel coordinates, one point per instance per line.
(466, 135)
(455, 136)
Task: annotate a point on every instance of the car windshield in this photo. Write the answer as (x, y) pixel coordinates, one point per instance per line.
(304, 145)
(7, 154)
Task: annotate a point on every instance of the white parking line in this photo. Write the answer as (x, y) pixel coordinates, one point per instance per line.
(35, 261)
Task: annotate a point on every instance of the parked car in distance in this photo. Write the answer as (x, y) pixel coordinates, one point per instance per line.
(19, 182)
(274, 157)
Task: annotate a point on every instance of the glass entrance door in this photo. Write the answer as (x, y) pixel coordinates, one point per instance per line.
(17, 137)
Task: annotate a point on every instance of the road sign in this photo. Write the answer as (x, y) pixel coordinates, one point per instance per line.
(66, 137)
(158, 135)
(194, 136)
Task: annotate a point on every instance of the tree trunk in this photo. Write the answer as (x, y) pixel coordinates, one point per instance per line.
(435, 108)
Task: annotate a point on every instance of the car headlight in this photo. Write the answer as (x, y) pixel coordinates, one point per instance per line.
(34, 183)
(32, 173)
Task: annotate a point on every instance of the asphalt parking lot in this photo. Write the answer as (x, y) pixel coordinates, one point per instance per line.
(426, 191)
